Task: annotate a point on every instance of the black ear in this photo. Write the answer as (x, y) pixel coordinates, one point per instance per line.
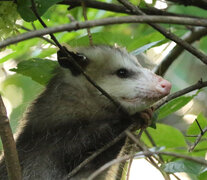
(71, 60)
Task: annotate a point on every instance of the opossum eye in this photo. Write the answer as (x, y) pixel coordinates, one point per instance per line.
(122, 73)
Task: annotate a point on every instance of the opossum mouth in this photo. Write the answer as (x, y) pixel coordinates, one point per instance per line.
(138, 98)
(132, 100)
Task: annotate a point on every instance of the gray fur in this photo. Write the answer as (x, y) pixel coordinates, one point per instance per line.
(71, 120)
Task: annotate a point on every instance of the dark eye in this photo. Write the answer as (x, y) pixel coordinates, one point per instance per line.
(122, 73)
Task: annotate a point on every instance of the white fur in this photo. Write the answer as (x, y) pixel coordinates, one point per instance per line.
(105, 61)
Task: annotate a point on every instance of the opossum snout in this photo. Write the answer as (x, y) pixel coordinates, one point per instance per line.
(163, 86)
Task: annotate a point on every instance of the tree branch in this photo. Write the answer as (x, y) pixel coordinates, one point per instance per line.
(10, 151)
(149, 158)
(101, 22)
(148, 153)
(118, 8)
(86, 19)
(200, 84)
(46, 39)
(153, 143)
(189, 37)
(198, 139)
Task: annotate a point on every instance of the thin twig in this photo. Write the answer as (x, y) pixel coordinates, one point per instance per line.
(191, 135)
(128, 144)
(10, 151)
(190, 158)
(33, 25)
(140, 133)
(140, 154)
(34, 9)
(199, 126)
(198, 85)
(176, 177)
(201, 149)
(103, 22)
(94, 155)
(198, 139)
(44, 38)
(149, 158)
(153, 143)
(71, 18)
(129, 167)
(86, 19)
(167, 33)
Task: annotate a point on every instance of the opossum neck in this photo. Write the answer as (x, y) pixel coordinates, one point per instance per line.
(62, 102)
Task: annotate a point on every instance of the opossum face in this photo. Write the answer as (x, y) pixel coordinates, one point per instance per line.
(122, 77)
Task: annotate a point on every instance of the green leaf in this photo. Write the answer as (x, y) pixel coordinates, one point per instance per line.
(182, 165)
(203, 175)
(40, 70)
(102, 38)
(174, 105)
(111, 38)
(188, 10)
(203, 44)
(200, 149)
(166, 136)
(194, 129)
(24, 8)
(139, 41)
(7, 57)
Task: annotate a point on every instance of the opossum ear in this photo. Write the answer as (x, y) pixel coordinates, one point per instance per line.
(72, 61)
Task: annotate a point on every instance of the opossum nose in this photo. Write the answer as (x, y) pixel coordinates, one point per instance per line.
(163, 86)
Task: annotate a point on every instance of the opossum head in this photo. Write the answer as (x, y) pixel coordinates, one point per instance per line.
(123, 78)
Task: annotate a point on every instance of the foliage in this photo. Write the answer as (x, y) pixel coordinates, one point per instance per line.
(35, 67)
(24, 8)
(7, 19)
(38, 69)
(182, 166)
(174, 105)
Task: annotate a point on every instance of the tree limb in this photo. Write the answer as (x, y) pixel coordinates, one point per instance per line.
(44, 38)
(189, 37)
(101, 22)
(118, 8)
(10, 151)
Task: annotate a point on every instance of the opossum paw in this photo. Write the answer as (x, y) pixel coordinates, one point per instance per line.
(145, 117)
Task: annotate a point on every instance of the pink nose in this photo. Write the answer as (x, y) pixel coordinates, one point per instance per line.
(163, 86)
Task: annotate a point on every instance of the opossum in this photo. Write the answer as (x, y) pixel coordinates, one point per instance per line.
(71, 119)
